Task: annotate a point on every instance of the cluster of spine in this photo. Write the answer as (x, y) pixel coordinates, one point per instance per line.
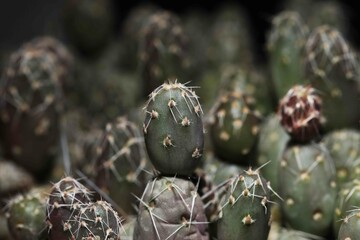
(121, 162)
(349, 229)
(71, 214)
(300, 113)
(31, 104)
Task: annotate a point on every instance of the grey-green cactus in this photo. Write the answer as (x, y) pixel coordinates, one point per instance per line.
(344, 148)
(349, 229)
(348, 197)
(26, 215)
(173, 129)
(245, 210)
(272, 143)
(308, 187)
(170, 208)
(30, 108)
(121, 163)
(234, 128)
(285, 45)
(331, 67)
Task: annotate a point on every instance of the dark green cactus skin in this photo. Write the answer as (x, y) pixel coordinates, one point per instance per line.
(344, 148)
(349, 229)
(272, 143)
(234, 128)
(30, 106)
(245, 208)
(66, 199)
(348, 197)
(26, 216)
(300, 113)
(173, 129)
(88, 24)
(170, 208)
(13, 180)
(163, 51)
(308, 187)
(332, 68)
(96, 221)
(285, 45)
(121, 163)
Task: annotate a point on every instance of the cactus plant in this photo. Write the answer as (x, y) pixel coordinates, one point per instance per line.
(344, 147)
(97, 220)
(332, 68)
(348, 197)
(26, 215)
(170, 208)
(273, 140)
(31, 102)
(121, 163)
(308, 186)
(285, 45)
(66, 199)
(245, 208)
(350, 226)
(173, 129)
(234, 127)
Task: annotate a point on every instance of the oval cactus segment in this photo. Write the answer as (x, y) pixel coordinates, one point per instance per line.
(170, 208)
(245, 208)
(66, 199)
(309, 191)
(285, 45)
(122, 165)
(173, 129)
(331, 66)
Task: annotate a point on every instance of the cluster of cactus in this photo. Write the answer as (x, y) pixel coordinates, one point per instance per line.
(272, 152)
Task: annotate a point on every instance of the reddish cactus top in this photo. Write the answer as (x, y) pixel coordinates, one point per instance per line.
(300, 113)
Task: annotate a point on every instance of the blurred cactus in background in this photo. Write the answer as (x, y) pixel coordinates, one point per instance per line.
(245, 133)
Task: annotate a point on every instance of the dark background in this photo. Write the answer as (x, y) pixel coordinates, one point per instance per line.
(21, 20)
